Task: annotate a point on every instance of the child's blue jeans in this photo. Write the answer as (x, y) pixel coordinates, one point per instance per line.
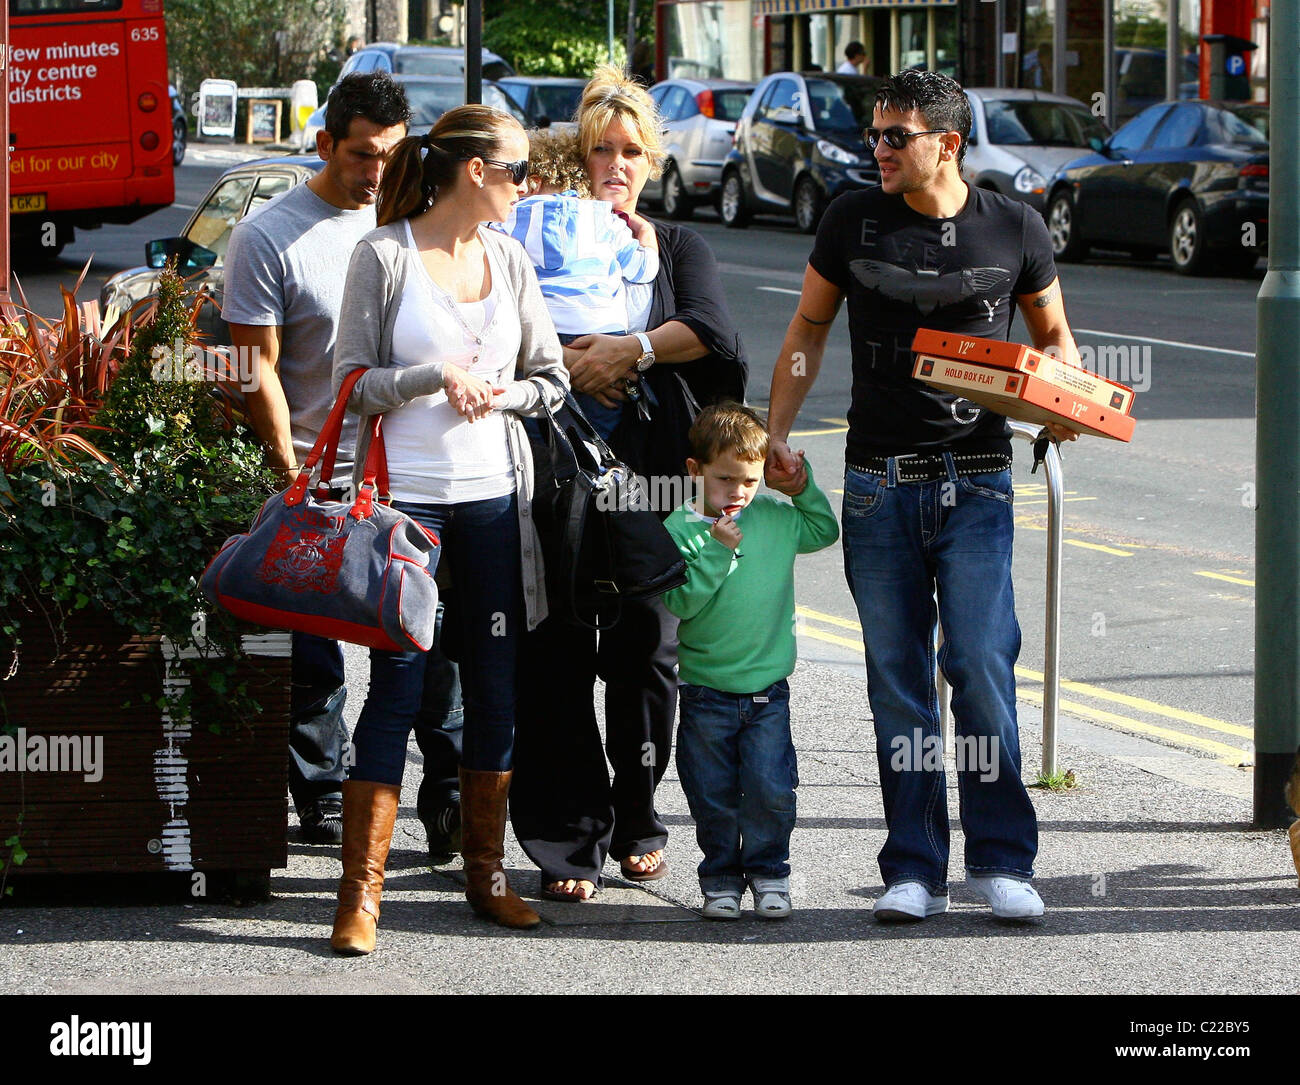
(737, 766)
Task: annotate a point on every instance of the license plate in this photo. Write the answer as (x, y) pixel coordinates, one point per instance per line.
(31, 201)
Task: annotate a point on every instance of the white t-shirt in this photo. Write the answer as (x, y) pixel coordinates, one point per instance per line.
(435, 454)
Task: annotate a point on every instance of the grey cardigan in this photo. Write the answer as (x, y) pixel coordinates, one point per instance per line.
(376, 278)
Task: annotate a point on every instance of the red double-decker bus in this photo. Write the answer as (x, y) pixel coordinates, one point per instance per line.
(89, 115)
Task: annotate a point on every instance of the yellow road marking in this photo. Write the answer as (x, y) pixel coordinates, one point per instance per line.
(1098, 546)
(1229, 579)
(1143, 705)
(1227, 754)
(818, 432)
(830, 638)
(829, 619)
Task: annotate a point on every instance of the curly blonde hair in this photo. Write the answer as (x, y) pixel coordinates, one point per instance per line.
(612, 95)
(554, 160)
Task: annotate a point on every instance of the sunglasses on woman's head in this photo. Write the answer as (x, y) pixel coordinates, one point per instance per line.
(896, 137)
(518, 170)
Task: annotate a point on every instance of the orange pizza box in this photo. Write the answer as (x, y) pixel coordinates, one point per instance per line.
(997, 352)
(1022, 396)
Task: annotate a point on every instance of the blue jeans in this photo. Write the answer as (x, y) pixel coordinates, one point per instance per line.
(737, 765)
(901, 541)
(481, 541)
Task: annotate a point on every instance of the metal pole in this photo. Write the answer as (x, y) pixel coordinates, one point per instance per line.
(610, 6)
(1107, 61)
(1052, 631)
(1277, 449)
(474, 52)
(1173, 52)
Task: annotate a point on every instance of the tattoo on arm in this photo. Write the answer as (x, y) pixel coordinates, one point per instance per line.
(1047, 299)
(812, 321)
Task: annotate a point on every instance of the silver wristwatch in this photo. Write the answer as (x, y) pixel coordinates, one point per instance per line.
(647, 358)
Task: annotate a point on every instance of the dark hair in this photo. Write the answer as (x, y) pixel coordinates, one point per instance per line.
(420, 165)
(939, 99)
(728, 427)
(854, 49)
(376, 96)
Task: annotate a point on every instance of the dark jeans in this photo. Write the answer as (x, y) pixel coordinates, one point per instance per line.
(565, 812)
(737, 764)
(317, 734)
(481, 541)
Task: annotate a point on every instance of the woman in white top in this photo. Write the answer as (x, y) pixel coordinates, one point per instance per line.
(443, 314)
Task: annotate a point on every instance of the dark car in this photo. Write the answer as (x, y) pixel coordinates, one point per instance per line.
(545, 99)
(200, 249)
(1189, 177)
(429, 96)
(798, 145)
(180, 127)
(388, 56)
(699, 118)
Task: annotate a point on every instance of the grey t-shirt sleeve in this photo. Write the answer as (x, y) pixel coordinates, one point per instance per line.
(255, 273)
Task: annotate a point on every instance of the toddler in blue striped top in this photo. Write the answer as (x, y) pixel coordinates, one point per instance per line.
(582, 250)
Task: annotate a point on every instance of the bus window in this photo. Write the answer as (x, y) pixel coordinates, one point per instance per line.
(218, 216)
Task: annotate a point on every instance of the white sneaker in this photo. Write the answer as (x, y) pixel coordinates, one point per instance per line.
(771, 897)
(1010, 898)
(721, 905)
(907, 902)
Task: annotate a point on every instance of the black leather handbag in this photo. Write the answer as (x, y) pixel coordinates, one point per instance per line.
(601, 541)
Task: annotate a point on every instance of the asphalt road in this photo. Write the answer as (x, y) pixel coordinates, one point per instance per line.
(1158, 563)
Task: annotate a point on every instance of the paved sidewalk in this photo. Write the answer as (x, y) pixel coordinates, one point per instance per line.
(1153, 879)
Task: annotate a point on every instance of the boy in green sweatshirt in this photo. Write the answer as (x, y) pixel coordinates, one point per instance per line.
(735, 755)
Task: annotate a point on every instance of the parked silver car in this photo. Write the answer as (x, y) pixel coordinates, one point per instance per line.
(699, 118)
(1019, 138)
(200, 249)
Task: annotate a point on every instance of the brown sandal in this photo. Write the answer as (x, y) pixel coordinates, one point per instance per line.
(659, 870)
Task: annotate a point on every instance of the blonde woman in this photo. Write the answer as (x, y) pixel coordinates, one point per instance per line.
(567, 813)
(446, 319)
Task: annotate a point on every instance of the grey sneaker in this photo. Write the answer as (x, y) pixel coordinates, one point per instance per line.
(724, 904)
(771, 897)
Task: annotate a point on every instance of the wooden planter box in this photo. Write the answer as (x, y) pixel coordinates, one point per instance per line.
(169, 797)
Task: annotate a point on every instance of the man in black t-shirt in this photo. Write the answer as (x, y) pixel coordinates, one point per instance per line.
(927, 491)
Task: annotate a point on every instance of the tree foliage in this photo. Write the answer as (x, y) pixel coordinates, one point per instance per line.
(562, 37)
(249, 41)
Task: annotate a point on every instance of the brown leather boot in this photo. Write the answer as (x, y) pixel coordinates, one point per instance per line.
(369, 811)
(483, 828)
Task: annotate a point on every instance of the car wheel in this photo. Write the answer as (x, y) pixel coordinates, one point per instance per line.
(676, 205)
(1067, 244)
(180, 132)
(807, 205)
(1187, 239)
(731, 204)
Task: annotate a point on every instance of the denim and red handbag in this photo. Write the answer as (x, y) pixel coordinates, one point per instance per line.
(357, 571)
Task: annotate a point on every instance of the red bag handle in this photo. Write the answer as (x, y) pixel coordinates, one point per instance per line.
(375, 472)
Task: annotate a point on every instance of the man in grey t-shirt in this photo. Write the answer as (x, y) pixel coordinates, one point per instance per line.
(286, 266)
